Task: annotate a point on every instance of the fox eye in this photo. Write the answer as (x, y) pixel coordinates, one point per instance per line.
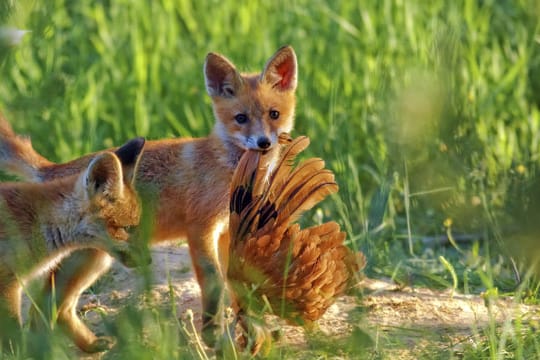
(241, 118)
(274, 114)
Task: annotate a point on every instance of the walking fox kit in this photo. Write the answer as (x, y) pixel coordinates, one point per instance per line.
(41, 223)
(188, 179)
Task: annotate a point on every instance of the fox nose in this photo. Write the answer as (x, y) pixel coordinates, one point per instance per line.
(263, 142)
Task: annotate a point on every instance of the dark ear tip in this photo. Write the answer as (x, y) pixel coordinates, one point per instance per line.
(129, 152)
(212, 57)
(286, 47)
(139, 142)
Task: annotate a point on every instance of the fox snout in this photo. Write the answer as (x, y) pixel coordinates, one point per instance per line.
(259, 142)
(263, 143)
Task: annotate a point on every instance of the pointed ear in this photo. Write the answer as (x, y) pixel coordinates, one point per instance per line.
(104, 176)
(129, 155)
(281, 70)
(220, 76)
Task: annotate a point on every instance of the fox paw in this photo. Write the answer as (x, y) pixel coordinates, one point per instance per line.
(255, 336)
(101, 343)
(260, 340)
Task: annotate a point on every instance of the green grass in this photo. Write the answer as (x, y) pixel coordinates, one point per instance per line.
(426, 111)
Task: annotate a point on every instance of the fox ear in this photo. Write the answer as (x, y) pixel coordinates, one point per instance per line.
(129, 155)
(221, 77)
(104, 176)
(281, 70)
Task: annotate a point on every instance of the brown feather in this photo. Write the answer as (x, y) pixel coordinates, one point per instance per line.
(304, 199)
(300, 272)
(285, 163)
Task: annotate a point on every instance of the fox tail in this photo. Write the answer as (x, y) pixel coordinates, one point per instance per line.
(17, 156)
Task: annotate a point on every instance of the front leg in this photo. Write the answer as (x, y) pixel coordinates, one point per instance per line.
(71, 278)
(10, 313)
(206, 263)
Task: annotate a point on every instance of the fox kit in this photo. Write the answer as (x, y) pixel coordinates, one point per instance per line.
(184, 183)
(42, 223)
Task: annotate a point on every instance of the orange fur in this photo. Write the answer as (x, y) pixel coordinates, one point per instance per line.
(42, 223)
(187, 180)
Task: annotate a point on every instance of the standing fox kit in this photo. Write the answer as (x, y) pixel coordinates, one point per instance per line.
(186, 181)
(42, 223)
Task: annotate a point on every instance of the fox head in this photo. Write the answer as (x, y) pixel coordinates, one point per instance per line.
(109, 205)
(251, 110)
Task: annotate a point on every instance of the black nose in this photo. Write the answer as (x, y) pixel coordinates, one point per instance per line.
(263, 142)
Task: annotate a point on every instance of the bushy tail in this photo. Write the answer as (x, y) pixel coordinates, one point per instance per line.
(17, 156)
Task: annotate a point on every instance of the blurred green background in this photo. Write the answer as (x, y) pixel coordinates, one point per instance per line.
(427, 111)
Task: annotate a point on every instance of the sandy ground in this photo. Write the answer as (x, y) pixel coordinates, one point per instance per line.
(401, 322)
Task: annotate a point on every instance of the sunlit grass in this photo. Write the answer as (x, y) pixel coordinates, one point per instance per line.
(426, 111)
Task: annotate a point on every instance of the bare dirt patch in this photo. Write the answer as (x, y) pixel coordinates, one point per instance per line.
(402, 322)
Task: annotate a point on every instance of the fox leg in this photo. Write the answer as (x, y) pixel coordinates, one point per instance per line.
(254, 334)
(10, 313)
(205, 260)
(76, 273)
